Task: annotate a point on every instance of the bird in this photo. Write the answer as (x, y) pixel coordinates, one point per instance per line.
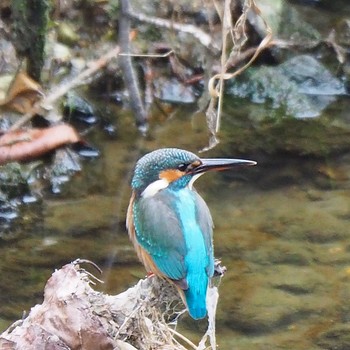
(170, 224)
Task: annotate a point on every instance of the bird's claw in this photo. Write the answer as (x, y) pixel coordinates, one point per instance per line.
(219, 270)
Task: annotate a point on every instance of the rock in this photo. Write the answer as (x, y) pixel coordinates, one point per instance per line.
(247, 128)
(300, 87)
(77, 108)
(65, 163)
(311, 77)
(264, 310)
(173, 91)
(296, 280)
(61, 53)
(285, 20)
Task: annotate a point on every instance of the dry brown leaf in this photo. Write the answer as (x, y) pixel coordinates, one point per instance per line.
(22, 94)
(22, 145)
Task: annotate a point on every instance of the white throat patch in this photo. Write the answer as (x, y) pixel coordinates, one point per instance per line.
(154, 188)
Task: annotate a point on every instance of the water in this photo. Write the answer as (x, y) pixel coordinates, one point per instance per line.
(281, 229)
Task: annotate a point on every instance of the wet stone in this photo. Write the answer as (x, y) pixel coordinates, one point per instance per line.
(79, 109)
(311, 224)
(173, 91)
(301, 86)
(65, 163)
(311, 77)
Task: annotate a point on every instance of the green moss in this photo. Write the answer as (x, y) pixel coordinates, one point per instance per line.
(30, 19)
(317, 137)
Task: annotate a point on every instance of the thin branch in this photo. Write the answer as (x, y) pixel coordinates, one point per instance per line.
(216, 83)
(182, 337)
(205, 39)
(149, 55)
(263, 45)
(226, 28)
(46, 103)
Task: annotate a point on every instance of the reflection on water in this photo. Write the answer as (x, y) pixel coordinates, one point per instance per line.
(282, 230)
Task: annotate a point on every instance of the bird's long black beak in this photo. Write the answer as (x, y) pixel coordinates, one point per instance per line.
(218, 164)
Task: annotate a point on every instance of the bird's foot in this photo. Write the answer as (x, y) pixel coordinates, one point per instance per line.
(219, 270)
(150, 274)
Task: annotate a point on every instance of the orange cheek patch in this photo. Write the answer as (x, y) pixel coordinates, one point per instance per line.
(171, 175)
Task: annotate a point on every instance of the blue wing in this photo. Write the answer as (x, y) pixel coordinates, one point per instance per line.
(158, 231)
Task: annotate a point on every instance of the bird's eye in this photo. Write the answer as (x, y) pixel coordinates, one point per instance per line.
(182, 167)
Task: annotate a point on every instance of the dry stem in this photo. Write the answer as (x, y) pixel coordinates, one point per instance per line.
(46, 103)
(216, 83)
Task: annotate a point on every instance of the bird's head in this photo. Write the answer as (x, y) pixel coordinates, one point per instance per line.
(175, 168)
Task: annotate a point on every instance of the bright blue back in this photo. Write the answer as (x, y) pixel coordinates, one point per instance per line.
(199, 256)
(175, 227)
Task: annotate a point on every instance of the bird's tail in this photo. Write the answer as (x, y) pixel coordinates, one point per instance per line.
(195, 296)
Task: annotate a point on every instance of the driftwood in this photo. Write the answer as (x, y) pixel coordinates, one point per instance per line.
(74, 316)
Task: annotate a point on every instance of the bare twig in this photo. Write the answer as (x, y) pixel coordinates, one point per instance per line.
(263, 44)
(216, 83)
(205, 39)
(182, 337)
(226, 29)
(46, 103)
(149, 55)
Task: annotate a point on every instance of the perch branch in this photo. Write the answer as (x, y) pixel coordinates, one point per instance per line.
(74, 316)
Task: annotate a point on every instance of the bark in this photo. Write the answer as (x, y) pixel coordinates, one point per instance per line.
(129, 75)
(74, 316)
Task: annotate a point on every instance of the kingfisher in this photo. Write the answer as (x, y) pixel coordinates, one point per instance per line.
(170, 224)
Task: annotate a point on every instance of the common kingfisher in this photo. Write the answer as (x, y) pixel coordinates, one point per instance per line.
(169, 223)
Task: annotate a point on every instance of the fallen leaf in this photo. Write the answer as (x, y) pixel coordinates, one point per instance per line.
(20, 145)
(22, 94)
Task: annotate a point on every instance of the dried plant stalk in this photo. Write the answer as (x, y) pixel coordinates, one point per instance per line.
(238, 37)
